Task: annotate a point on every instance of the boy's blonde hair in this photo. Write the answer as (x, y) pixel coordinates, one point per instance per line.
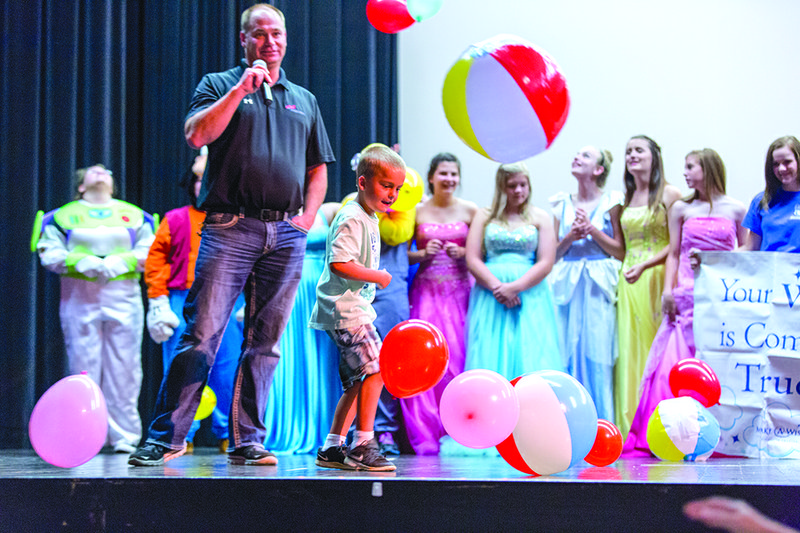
(376, 156)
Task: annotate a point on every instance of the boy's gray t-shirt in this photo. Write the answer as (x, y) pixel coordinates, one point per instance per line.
(343, 303)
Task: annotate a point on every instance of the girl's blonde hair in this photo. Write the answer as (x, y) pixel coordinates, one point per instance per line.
(504, 173)
(604, 161)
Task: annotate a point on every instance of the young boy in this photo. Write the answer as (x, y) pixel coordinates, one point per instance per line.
(343, 309)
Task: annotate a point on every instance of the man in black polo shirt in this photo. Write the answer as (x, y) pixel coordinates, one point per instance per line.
(267, 151)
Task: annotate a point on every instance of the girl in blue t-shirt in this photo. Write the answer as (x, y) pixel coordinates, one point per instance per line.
(774, 215)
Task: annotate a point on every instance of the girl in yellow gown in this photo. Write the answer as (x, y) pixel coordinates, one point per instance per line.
(644, 227)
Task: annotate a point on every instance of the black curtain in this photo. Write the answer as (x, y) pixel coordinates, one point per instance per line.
(109, 81)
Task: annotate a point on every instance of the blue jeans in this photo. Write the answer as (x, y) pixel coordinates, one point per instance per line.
(265, 259)
(220, 379)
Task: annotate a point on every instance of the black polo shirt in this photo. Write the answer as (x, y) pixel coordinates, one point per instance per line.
(260, 160)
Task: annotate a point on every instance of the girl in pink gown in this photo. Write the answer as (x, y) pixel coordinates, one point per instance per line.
(706, 220)
(439, 293)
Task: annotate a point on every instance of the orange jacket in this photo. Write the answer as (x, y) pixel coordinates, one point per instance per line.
(170, 262)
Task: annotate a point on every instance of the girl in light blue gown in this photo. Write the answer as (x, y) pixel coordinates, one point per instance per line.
(510, 250)
(584, 280)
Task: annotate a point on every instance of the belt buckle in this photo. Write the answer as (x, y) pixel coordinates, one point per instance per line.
(268, 215)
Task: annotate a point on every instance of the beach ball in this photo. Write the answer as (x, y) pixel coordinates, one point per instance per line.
(557, 424)
(410, 193)
(69, 423)
(208, 401)
(506, 99)
(389, 16)
(413, 358)
(479, 408)
(681, 429)
(696, 379)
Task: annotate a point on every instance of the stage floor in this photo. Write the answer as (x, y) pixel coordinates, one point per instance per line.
(207, 463)
(202, 492)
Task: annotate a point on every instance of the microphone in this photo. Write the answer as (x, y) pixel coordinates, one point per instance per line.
(265, 85)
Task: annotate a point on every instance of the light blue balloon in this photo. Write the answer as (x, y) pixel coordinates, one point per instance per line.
(423, 9)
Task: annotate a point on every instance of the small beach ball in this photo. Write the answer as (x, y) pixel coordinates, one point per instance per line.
(557, 424)
(506, 99)
(681, 429)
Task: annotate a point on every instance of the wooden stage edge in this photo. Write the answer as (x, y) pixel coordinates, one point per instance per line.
(202, 492)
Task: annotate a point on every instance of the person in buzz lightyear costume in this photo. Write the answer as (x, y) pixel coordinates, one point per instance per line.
(98, 245)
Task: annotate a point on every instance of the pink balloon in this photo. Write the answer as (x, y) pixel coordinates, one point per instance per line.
(69, 423)
(479, 408)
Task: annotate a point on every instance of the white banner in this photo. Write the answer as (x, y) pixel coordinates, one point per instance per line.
(747, 327)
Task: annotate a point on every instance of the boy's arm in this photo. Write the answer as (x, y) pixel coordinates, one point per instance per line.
(353, 271)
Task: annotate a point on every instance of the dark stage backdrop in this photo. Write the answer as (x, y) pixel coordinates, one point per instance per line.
(109, 81)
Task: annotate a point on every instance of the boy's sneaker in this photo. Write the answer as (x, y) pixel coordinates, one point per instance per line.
(365, 456)
(153, 455)
(252, 455)
(333, 457)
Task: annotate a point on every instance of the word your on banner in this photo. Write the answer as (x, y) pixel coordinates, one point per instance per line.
(747, 327)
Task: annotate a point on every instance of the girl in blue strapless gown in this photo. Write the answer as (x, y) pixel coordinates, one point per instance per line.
(510, 250)
(306, 386)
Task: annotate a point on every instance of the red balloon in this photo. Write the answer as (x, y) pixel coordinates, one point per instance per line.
(696, 379)
(389, 16)
(607, 445)
(413, 358)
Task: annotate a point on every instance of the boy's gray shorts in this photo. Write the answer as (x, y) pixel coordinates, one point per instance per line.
(359, 352)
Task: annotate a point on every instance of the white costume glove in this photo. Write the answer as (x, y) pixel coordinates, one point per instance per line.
(240, 314)
(161, 321)
(113, 266)
(90, 266)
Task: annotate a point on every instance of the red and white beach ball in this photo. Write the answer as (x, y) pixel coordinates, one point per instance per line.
(506, 99)
(557, 424)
